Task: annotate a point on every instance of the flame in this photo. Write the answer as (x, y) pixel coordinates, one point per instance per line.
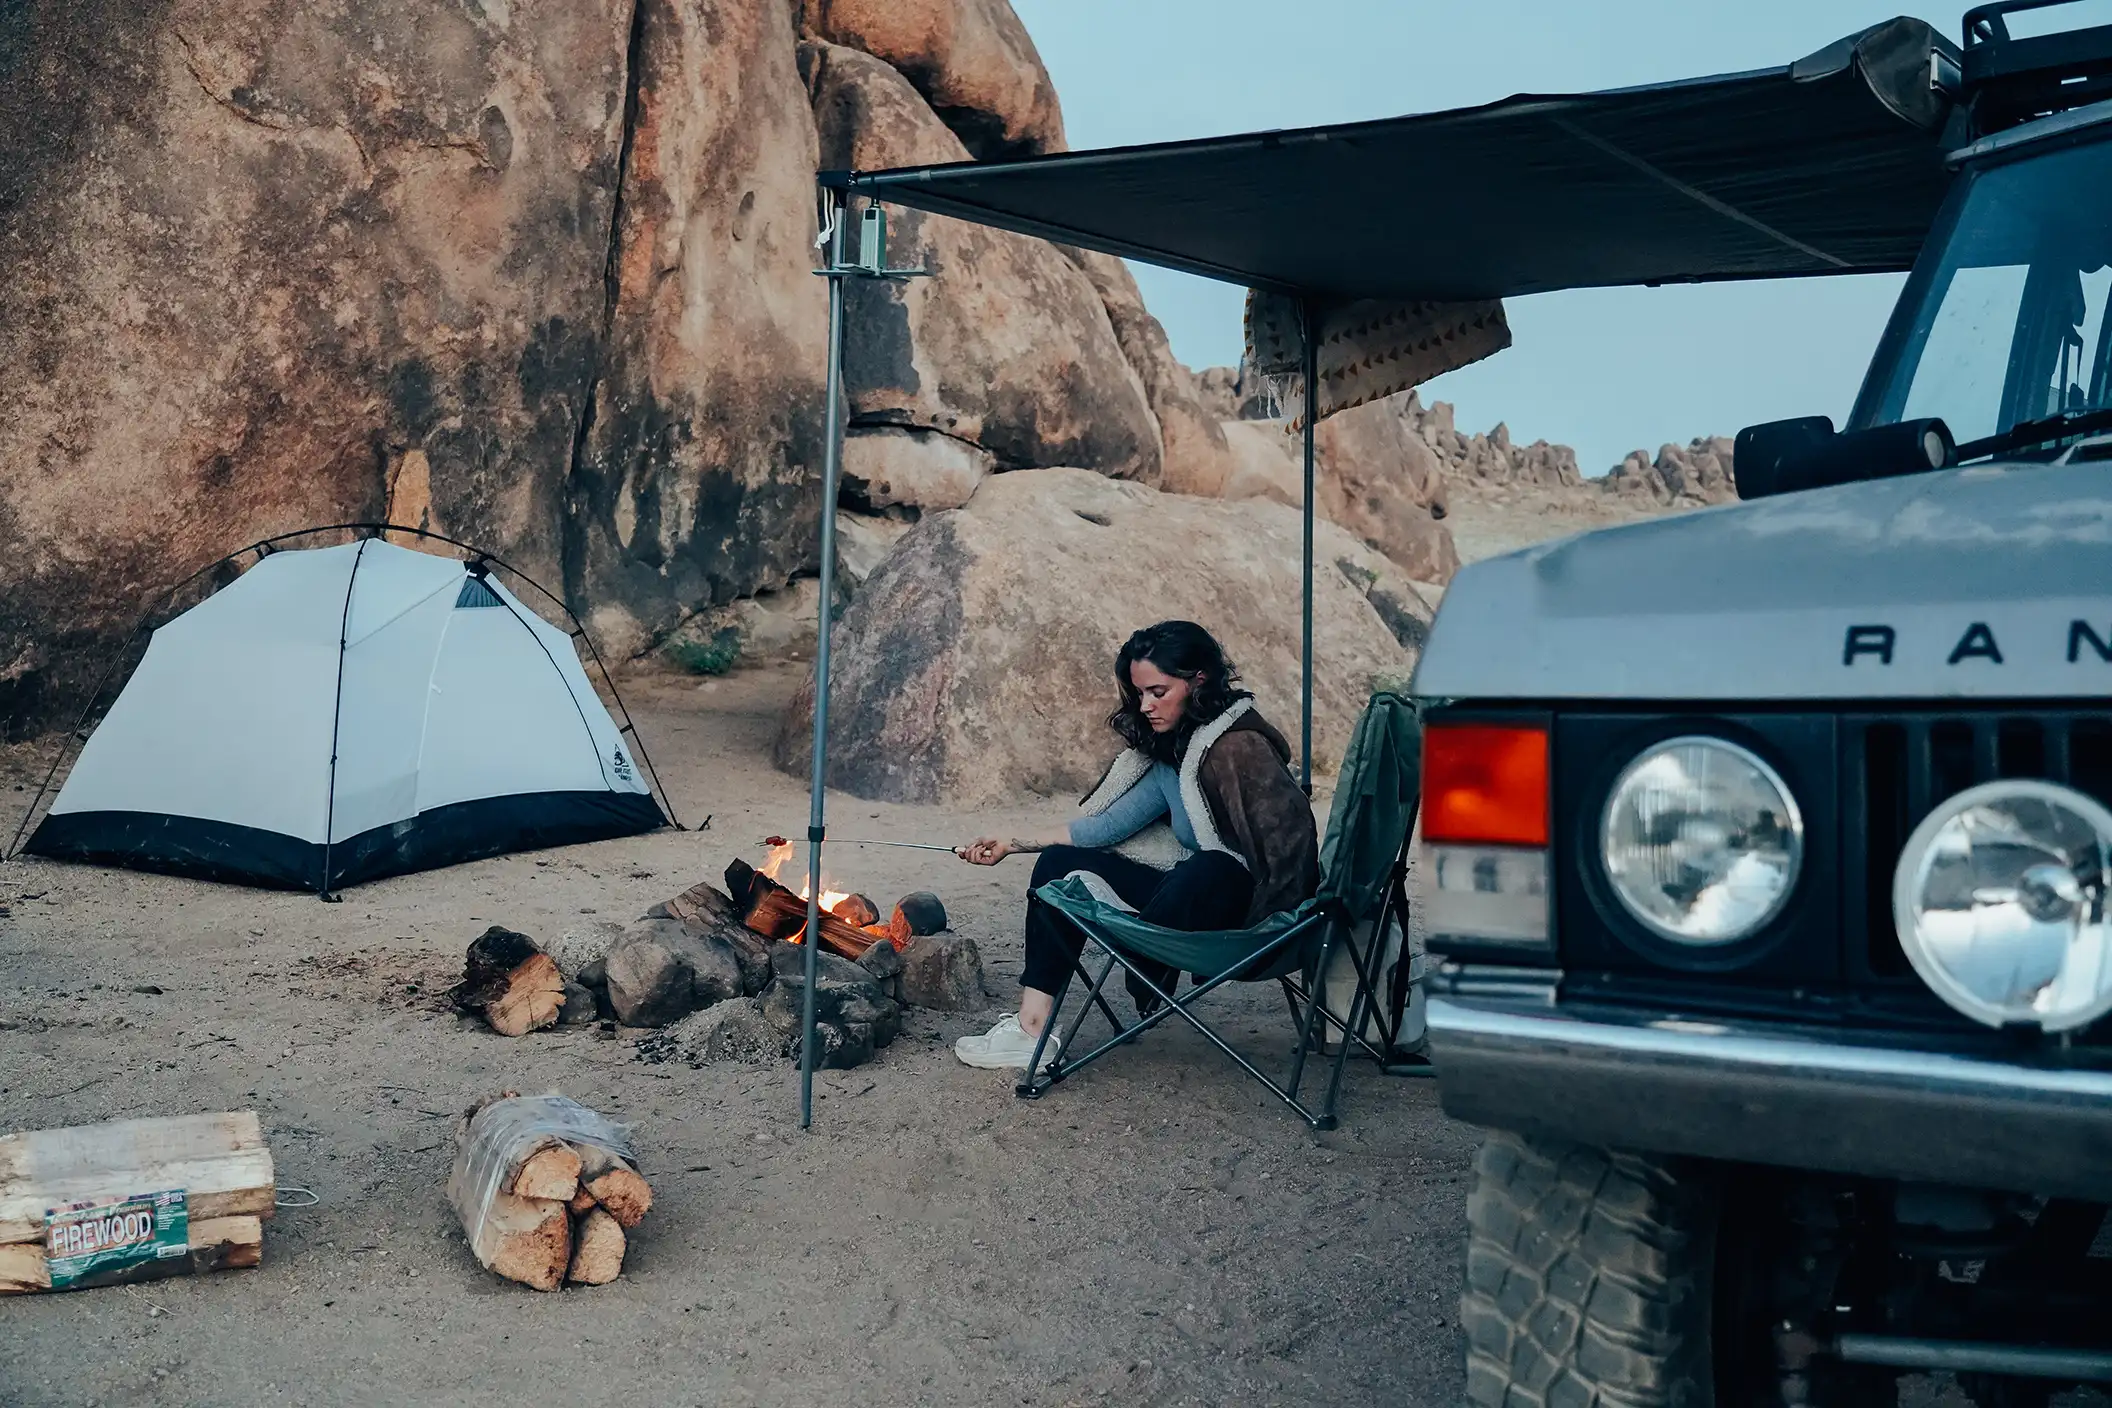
(775, 862)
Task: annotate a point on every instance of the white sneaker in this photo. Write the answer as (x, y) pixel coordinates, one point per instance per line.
(1005, 1047)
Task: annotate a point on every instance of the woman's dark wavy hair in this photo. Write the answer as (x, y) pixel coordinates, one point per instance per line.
(1178, 648)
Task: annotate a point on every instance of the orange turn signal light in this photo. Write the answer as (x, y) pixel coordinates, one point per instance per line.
(1485, 784)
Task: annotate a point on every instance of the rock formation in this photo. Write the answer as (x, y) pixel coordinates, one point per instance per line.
(1378, 461)
(1699, 473)
(1375, 475)
(1008, 347)
(539, 277)
(532, 276)
(966, 670)
(971, 60)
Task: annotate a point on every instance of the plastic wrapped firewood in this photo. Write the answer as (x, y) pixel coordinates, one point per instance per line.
(518, 1172)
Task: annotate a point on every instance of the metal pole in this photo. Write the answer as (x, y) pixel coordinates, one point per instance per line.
(817, 816)
(1312, 414)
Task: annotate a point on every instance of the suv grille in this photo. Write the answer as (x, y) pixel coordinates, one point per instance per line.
(1896, 769)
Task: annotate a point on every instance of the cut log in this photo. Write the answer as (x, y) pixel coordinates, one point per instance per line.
(624, 1193)
(216, 1244)
(513, 985)
(547, 1173)
(220, 1162)
(597, 1253)
(528, 1240)
(582, 1202)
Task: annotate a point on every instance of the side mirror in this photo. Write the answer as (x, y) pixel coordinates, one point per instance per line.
(1785, 456)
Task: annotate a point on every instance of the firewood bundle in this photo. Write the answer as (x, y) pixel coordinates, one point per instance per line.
(133, 1200)
(547, 1191)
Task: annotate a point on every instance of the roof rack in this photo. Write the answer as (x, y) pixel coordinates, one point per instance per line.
(2008, 80)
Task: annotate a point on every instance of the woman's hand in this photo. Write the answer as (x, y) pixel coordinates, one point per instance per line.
(987, 851)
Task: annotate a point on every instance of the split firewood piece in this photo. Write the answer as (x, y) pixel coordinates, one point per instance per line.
(523, 1239)
(528, 1240)
(219, 1161)
(617, 1186)
(513, 985)
(582, 1202)
(547, 1173)
(597, 1253)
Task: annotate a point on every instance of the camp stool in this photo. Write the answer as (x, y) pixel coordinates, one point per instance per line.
(1361, 903)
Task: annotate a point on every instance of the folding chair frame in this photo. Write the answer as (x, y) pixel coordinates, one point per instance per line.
(1335, 924)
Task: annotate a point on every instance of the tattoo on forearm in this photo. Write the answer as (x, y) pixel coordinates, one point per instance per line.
(1025, 846)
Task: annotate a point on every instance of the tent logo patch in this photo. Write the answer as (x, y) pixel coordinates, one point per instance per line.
(620, 764)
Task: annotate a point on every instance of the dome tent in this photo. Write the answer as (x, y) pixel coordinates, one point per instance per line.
(339, 714)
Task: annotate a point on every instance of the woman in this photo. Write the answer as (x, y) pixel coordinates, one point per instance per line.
(1198, 825)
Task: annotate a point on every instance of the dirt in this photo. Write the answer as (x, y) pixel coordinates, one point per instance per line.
(1160, 1231)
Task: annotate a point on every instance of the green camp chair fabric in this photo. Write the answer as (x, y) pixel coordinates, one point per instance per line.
(1374, 807)
(1206, 953)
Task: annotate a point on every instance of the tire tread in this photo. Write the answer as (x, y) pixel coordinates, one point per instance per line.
(1587, 1279)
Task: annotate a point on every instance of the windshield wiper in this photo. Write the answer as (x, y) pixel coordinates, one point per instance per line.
(2027, 433)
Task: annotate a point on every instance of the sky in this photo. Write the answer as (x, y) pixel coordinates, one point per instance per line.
(1605, 370)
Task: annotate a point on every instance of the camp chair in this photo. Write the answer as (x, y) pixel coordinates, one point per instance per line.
(1362, 898)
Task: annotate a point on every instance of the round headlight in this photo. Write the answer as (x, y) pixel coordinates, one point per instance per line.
(1701, 841)
(2000, 902)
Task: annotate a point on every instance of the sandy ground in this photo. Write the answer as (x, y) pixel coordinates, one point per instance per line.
(1159, 1232)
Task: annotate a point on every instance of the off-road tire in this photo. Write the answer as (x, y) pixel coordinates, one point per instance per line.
(1588, 1279)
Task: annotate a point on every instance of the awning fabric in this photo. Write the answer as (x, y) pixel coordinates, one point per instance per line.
(1831, 165)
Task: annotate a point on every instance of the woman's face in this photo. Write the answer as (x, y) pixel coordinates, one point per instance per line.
(1162, 697)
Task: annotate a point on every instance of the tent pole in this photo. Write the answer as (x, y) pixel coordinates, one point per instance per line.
(1310, 319)
(831, 472)
(337, 714)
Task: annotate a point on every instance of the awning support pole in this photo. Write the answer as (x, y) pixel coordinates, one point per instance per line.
(871, 264)
(1309, 316)
(817, 803)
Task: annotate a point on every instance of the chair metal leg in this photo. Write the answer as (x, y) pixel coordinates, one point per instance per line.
(1170, 1006)
(1314, 1003)
(1357, 1006)
(1035, 1081)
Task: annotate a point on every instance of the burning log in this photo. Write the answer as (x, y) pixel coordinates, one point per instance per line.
(777, 913)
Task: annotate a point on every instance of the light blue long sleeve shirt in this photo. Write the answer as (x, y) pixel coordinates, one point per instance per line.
(1156, 794)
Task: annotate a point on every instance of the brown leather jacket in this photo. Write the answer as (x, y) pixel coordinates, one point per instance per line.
(1261, 812)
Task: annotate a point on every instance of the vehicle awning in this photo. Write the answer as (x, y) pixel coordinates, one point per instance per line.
(1830, 165)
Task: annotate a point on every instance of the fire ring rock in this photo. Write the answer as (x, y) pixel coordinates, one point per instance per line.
(916, 915)
(660, 972)
(945, 972)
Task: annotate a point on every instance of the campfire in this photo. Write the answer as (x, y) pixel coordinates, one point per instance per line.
(850, 923)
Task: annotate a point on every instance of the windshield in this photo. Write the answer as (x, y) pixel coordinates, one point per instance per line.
(2004, 318)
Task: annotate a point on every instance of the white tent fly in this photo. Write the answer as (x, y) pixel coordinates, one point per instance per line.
(339, 714)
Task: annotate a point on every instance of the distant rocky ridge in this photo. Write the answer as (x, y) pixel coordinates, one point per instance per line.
(1690, 476)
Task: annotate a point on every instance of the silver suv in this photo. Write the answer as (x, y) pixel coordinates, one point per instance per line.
(1768, 851)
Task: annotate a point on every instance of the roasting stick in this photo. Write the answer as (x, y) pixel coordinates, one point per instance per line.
(846, 841)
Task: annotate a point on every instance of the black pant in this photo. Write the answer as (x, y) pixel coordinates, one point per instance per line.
(1209, 890)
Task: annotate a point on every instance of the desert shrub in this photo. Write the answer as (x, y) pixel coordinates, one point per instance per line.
(708, 657)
